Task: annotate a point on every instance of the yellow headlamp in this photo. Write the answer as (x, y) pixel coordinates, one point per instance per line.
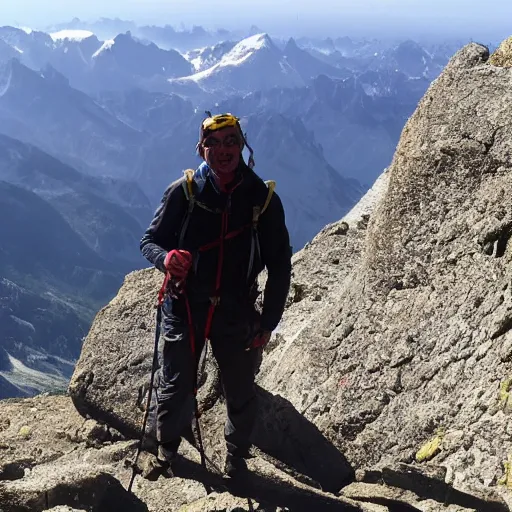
(219, 121)
(212, 123)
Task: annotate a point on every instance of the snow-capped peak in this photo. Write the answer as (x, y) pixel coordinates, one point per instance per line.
(245, 68)
(72, 35)
(234, 58)
(245, 48)
(204, 58)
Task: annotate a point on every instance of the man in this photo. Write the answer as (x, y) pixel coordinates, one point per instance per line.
(213, 233)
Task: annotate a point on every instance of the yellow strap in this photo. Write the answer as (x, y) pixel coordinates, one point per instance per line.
(271, 187)
(256, 212)
(189, 174)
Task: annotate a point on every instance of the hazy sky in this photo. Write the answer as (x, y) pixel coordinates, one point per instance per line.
(470, 18)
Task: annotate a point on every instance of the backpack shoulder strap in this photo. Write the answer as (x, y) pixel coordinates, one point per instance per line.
(188, 184)
(271, 187)
(188, 189)
(257, 211)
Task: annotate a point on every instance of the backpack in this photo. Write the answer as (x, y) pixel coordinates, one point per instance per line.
(257, 211)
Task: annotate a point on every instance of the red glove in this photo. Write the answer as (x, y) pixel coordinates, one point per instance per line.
(260, 340)
(178, 263)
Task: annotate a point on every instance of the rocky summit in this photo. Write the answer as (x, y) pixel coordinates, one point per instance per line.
(387, 386)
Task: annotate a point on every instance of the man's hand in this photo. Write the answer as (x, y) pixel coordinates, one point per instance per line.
(177, 264)
(260, 340)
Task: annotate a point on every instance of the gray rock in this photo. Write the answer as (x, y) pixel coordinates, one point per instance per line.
(420, 327)
(110, 381)
(90, 490)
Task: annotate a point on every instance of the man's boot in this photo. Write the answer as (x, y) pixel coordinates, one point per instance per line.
(188, 435)
(236, 466)
(166, 458)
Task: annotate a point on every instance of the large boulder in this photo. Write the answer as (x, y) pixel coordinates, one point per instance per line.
(110, 381)
(413, 361)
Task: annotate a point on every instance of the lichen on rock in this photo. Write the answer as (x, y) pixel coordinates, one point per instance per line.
(429, 449)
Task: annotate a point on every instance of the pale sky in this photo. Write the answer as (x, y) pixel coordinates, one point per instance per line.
(469, 18)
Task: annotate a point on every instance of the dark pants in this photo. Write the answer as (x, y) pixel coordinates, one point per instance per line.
(232, 326)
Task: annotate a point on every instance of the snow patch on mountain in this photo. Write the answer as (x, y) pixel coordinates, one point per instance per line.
(106, 46)
(207, 56)
(23, 323)
(245, 48)
(5, 81)
(197, 62)
(197, 57)
(72, 35)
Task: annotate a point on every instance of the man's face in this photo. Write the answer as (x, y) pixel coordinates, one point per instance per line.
(222, 150)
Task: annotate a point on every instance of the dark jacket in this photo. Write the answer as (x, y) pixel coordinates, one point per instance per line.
(204, 227)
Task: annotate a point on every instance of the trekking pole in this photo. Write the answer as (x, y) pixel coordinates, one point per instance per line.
(161, 295)
(150, 395)
(191, 335)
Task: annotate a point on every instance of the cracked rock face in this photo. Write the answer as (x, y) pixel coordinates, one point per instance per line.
(418, 344)
(396, 345)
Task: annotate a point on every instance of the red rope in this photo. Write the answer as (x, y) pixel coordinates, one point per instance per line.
(230, 235)
(163, 290)
(211, 310)
(215, 298)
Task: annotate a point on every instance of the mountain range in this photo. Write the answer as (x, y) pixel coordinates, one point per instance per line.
(41, 108)
(96, 121)
(357, 120)
(254, 64)
(123, 137)
(68, 241)
(127, 59)
(359, 92)
(166, 37)
(51, 284)
(108, 214)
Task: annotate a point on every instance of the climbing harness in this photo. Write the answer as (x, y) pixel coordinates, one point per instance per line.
(257, 212)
